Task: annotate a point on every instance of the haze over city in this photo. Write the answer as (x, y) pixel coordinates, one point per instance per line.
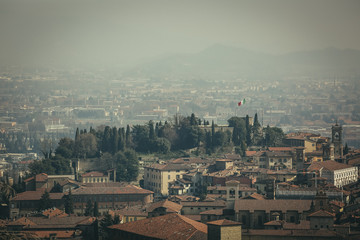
(125, 33)
(188, 120)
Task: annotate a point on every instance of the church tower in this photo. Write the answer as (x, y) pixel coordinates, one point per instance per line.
(336, 139)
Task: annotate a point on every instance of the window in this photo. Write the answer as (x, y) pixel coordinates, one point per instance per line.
(292, 219)
(168, 176)
(259, 220)
(243, 219)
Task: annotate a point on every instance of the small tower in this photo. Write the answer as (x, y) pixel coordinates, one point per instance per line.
(300, 158)
(336, 139)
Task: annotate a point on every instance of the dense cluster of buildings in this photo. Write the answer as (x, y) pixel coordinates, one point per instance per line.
(306, 189)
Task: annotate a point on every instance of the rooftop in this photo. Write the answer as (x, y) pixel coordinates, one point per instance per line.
(158, 227)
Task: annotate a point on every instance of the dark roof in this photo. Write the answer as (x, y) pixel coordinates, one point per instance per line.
(272, 205)
(53, 223)
(169, 226)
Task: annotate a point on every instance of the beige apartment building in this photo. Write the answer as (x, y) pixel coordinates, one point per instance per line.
(158, 176)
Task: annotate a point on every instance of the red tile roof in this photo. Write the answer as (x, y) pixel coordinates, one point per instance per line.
(159, 227)
(171, 207)
(224, 222)
(59, 234)
(36, 195)
(129, 189)
(54, 212)
(322, 213)
(42, 177)
(329, 165)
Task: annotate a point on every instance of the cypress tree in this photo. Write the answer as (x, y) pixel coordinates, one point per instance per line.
(77, 135)
(128, 137)
(69, 203)
(89, 209)
(45, 201)
(114, 141)
(151, 130)
(96, 210)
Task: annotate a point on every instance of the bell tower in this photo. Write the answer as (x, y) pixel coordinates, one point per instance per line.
(336, 139)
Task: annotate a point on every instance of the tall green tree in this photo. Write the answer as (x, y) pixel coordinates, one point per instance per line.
(45, 201)
(89, 208)
(128, 140)
(6, 192)
(114, 141)
(69, 203)
(274, 136)
(96, 210)
(248, 131)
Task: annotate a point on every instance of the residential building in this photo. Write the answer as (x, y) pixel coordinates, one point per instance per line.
(110, 196)
(94, 177)
(169, 226)
(158, 176)
(338, 174)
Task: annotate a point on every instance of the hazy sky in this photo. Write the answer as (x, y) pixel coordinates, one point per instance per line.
(123, 32)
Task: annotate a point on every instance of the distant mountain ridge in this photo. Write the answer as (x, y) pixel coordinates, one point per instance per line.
(220, 60)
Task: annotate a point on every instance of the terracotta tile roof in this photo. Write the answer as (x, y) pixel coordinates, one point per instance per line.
(171, 207)
(275, 223)
(250, 153)
(36, 195)
(129, 189)
(272, 205)
(137, 210)
(69, 222)
(42, 177)
(23, 221)
(338, 203)
(158, 227)
(329, 165)
(59, 234)
(93, 174)
(54, 212)
(322, 213)
(29, 179)
(224, 222)
(255, 196)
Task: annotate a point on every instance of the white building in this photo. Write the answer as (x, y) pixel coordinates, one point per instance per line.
(339, 174)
